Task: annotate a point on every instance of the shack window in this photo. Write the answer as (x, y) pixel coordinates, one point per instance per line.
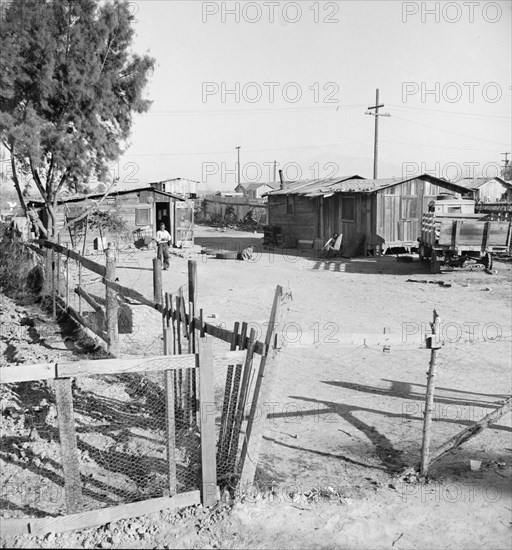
(409, 208)
(143, 216)
(290, 204)
(348, 209)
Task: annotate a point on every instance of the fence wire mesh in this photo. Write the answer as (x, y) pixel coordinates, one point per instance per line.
(122, 437)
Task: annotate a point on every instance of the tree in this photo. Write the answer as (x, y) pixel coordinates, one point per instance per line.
(69, 86)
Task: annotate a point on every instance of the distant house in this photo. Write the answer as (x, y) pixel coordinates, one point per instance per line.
(255, 190)
(179, 186)
(372, 215)
(488, 189)
(143, 210)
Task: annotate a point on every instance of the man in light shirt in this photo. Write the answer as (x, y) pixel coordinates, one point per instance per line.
(163, 238)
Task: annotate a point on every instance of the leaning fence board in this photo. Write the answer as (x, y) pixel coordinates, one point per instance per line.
(133, 294)
(471, 431)
(89, 299)
(95, 518)
(81, 320)
(88, 264)
(68, 446)
(262, 391)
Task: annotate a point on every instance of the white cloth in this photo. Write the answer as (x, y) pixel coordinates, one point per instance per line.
(162, 236)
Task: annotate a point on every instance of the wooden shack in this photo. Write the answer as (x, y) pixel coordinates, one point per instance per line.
(142, 209)
(372, 215)
(488, 189)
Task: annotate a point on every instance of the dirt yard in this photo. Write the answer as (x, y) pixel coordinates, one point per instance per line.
(344, 426)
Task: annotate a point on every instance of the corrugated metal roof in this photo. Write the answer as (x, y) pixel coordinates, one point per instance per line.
(78, 198)
(350, 184)
(475, 183)
(313, 188)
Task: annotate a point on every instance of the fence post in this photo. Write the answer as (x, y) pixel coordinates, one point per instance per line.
(67, 278)
(54, 303)
(157, 281)
(429, 401)
(68, 445)
(47, 287)
(112, 306)
(207, 422)
(170, 416)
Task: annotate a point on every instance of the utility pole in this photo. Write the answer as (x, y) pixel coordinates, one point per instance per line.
(505, 165)
(275, 170)
(238, 163)
(376, 114)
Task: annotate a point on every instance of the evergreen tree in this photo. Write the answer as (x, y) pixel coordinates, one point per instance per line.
(69, 86)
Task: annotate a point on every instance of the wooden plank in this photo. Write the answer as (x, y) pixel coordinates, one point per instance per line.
(133, 294)
(262, 391)
(169, 416)
(157, 281)
(242, 400)
(456, 233)
(27, 373)
(207, 423)
(35, 249)
(86, 323)
(234, 401)
(123, 365)
(111, 303)
(221, 449)
(471, 431)
(95, 518)
(68, 446)
(89, 299)
(226, 335)
(88, 264)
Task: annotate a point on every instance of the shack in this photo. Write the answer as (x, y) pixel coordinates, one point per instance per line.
(142, 209)
(372, 215)
(488, 189)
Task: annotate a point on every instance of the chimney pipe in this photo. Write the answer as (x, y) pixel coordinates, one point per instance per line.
(281, 179)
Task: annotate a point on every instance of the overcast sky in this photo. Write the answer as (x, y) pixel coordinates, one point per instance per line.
(302, 75)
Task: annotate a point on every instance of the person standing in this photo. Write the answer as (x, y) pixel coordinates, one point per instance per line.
(163, 238)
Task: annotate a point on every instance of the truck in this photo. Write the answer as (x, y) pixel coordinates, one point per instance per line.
(453, 234)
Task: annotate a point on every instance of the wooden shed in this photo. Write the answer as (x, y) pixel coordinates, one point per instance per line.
(488, 189)
(143, 209)
(372, 215)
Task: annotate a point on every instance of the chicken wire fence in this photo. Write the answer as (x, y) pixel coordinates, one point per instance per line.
(122, 437)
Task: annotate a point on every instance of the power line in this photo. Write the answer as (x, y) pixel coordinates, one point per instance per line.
(450, 113)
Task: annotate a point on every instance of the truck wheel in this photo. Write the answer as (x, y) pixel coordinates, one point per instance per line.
(488, 261)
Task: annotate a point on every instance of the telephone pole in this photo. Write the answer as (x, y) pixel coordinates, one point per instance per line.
(505, 165)
(376, 114)
(238, 162)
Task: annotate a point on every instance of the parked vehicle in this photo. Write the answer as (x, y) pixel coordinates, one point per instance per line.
(452, 234)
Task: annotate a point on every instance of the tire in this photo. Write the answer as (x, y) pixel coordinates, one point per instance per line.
(226, 256)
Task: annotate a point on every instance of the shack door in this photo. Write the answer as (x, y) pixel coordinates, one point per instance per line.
(410, 213)
(391, 218)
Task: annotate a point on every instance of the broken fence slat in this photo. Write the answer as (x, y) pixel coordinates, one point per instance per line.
(95, 518)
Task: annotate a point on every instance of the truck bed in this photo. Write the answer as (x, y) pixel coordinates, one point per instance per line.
(465, 231)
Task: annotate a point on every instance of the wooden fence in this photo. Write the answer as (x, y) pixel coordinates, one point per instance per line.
(216, 205)
(230, 441)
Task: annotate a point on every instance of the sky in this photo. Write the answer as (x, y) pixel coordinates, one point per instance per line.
(290, 82)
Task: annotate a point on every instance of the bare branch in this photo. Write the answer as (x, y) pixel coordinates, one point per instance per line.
(84, 214)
